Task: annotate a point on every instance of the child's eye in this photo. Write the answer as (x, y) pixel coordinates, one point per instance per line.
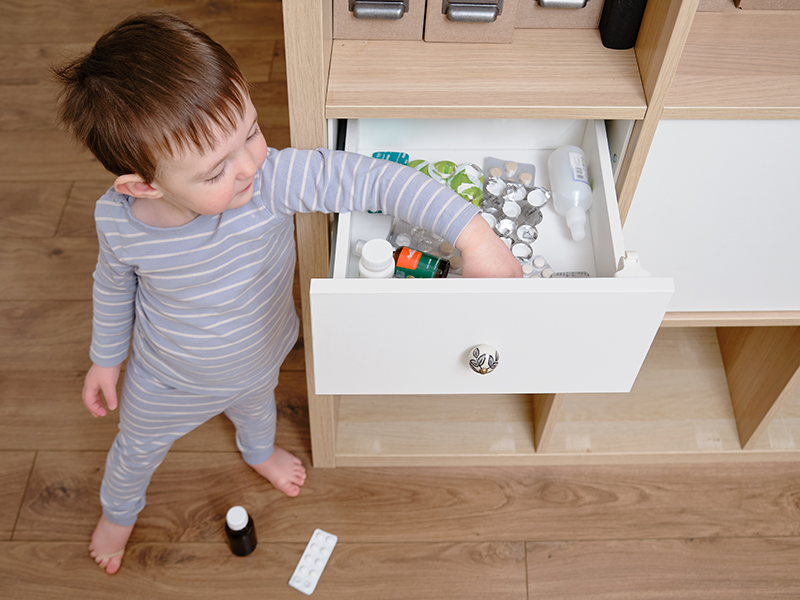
(216, 178)
(255, 134)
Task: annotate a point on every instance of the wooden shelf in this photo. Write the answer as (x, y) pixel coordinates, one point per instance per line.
(731, 319)
(544, 73)
(739, 65)
(665, 418)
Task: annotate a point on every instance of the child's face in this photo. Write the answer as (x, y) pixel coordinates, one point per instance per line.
(219, 179)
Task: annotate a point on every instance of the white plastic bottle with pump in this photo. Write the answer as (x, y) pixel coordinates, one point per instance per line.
(377, 260)
(569, 182)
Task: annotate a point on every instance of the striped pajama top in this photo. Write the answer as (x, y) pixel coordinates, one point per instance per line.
(210, 303)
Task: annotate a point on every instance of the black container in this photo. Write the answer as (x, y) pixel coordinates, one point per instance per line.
(242, 540)
(620, 21)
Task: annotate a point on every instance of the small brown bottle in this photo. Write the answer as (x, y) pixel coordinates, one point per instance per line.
(240, 531)
(413, 264)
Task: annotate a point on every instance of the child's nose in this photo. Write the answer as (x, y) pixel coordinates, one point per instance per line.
(247, 165)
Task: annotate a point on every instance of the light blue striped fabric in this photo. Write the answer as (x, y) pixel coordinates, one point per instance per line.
(210, 303)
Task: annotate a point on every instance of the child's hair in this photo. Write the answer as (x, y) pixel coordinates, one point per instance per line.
(151, 86)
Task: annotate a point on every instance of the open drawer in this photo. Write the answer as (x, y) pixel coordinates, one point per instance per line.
(400, 336)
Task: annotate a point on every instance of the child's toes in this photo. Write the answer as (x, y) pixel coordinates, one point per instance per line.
(109, 562)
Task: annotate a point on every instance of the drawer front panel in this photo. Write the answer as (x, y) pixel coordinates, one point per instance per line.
(414, 337)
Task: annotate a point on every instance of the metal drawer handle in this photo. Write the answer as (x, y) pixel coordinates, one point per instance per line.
(483, 359)
(562, 3)
(378, 9)
(472, 11)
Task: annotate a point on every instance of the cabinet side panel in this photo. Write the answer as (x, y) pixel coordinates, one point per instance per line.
(762, 365)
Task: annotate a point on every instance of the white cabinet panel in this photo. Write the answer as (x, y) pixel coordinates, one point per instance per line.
(718, 209)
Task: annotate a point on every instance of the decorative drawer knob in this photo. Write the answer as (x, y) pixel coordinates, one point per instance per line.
(483, 359)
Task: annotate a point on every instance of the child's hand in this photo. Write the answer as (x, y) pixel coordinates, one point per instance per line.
(100, 379)
(484, 253)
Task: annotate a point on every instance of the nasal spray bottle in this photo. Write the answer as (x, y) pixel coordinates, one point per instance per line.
(569, 183)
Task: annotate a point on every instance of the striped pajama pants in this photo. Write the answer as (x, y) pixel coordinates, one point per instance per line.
(154, 415)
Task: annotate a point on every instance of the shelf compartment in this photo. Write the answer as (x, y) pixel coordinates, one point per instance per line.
(543, 73)
(679, 410)
(738, 65)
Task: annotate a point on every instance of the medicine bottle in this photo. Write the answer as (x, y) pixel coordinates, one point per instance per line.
(241, 531)
(572, 194)
(376, 260)
(412, 263)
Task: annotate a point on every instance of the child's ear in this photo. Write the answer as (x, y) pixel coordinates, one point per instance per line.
(134, 185)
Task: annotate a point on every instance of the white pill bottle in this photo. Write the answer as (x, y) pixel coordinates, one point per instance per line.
(569, 183)
(377, 260)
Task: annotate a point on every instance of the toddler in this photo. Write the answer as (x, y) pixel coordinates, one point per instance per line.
(197, 256)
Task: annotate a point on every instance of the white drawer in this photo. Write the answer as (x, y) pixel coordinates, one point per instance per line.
(402, 336)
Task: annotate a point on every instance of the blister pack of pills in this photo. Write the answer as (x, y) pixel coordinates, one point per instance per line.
(537, 267)
(310, 566)
(511, 204)
(464, 179)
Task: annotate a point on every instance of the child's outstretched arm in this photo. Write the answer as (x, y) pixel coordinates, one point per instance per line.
(100, 379)
(485, 254)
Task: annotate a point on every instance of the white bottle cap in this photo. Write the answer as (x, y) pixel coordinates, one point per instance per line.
(576, 220)
(237, 518)
(377, 254)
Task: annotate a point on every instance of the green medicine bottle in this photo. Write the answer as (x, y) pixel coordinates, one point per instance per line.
(413, 264)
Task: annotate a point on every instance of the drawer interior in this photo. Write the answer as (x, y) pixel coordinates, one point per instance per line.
(523, 141)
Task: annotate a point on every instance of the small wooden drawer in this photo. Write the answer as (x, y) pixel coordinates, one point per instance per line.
(451, 22)
(530, 15)
(380, 21)
(401, 336)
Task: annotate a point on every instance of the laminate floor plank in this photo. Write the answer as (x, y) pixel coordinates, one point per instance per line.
(229, 20)
(272, 103)
(49, 403)
(38, 269)
(191, 491)
(31, 209)
(78, 219)
(38, 335)
(27, 107)
(254, 57)
(681, 569)
(15, 468)
(194, 571)
(28, 63)
(54, 21)
(46, 156)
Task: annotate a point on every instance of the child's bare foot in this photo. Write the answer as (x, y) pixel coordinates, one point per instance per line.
(283, 470)
(108, 544)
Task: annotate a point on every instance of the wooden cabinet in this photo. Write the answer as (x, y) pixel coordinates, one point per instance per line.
(716, 385)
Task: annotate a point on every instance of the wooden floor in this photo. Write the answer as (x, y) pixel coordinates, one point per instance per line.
(623, 532)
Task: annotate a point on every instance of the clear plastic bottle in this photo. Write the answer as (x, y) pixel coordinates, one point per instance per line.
(241, 531)
(377, 261)
(569, 182)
